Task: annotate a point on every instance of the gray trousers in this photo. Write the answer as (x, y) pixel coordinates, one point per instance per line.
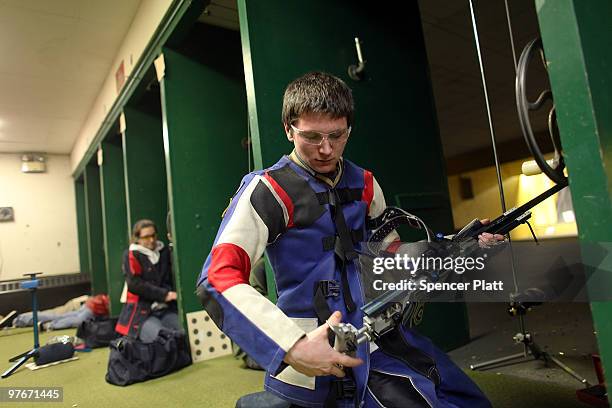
(56, 321)
(154, 323)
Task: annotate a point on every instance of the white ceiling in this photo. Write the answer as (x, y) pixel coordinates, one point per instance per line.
(55, 56)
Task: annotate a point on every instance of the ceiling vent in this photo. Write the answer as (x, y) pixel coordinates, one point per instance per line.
(33, 163)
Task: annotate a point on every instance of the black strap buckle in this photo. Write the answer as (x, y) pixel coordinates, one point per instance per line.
(344, 388)
(346, 195)
(329, 243)
(329, 288)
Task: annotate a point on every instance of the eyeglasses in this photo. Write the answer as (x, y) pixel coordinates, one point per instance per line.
(150, 236)
(316, 138)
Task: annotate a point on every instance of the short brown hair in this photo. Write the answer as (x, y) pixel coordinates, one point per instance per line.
(317, 92)
(140, 224)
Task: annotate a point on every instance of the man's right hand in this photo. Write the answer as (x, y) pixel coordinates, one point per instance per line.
(313, 356)
(170, 296)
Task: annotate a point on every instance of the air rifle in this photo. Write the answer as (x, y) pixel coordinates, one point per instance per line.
(382, 314)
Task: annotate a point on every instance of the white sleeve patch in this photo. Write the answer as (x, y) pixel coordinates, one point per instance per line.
(377, 207)
(246, 228)
(265, 315)
(378, 204)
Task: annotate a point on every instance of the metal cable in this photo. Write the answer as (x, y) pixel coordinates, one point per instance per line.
(486, 95)
(497, 166)
(511, 36)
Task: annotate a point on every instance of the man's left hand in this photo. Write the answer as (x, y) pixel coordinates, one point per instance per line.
(485, 240)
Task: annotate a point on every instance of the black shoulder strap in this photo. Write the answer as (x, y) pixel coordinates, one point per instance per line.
(344, 250)
(307, 208)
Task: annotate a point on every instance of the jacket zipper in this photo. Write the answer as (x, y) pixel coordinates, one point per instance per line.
(411, 382)
(375, 399)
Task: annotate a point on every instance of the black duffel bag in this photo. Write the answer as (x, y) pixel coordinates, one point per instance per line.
(51, 353)
(132, 361)
(98, 332)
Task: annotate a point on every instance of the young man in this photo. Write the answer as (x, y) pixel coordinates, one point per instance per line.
(309, 212)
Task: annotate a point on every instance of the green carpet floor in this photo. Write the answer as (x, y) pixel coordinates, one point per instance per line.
(214, 383)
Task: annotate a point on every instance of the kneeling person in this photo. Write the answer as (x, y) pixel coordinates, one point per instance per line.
(309, 213)
(150, 303)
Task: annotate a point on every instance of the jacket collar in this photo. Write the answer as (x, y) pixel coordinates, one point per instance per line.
(329, 179)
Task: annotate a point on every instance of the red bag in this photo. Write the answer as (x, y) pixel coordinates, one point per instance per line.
(98, 305)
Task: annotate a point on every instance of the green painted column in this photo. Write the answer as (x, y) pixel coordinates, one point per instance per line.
(95, 233)
(145, 169)
(114, 209)
(79, 190)
(577, 38)
(205, 122)
(395, 134)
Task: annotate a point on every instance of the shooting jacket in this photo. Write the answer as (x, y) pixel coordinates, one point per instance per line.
(285, 211)
(146, 283)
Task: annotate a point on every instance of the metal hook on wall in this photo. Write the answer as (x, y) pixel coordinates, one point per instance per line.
(356, 72)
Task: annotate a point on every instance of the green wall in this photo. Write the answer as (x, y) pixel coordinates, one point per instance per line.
(114, 211)
(95, 234)
(395, 134)
(577, 38)
(205, 121)
(145, 170)
(79, 190)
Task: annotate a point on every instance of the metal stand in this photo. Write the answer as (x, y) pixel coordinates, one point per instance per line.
(19, 360)
(555, 174)
(530, 347)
